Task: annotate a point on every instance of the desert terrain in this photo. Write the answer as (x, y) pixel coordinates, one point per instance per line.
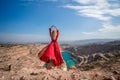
(93, 62)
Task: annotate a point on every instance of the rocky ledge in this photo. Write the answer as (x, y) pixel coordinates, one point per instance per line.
(20, 62)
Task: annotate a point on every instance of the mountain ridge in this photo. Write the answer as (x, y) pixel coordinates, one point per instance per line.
(91, 41)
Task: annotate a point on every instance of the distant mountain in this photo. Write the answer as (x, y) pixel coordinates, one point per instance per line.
(91, 41)
(89, 49)
(76, 42)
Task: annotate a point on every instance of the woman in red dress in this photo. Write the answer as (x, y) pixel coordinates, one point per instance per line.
(52, 51)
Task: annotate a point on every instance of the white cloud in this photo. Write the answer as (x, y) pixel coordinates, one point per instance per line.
(94, 15)
(99, 9)
(100, 3)
(84, 1)
(107, 31)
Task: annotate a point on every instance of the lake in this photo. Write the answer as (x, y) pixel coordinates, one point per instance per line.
(69, 61)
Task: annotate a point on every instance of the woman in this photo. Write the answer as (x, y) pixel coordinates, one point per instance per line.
(51, 53)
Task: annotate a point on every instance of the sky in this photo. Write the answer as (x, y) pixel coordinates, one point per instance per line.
(29, 20)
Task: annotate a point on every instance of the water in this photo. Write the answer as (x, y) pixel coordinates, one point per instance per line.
(69, 61)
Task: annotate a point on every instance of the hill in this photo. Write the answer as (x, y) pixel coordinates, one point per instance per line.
(94, 62)
(89, 41)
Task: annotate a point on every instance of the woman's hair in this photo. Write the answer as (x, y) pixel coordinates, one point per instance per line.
(54, 34)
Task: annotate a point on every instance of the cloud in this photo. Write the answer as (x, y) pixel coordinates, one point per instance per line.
(84, 1)
(107, 31)
(99, 9)
(102, 10)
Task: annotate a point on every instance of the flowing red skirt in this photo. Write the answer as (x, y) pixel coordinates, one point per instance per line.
(52, 51)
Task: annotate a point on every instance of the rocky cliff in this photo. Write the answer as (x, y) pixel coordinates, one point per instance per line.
(20, 62)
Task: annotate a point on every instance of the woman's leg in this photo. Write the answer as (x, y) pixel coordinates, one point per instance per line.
(50, 64)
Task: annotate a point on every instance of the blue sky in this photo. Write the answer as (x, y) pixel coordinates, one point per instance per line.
(29, 20)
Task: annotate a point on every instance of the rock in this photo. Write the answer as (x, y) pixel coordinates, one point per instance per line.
(42, 73)
(60, 77)
(106, 78)
(103, 56)
(33, 73)
(83, 79)
(22, 78)
(1, 74)
(118, 78)
(63, 66)
(45, 78)
(113, 78)
(115, 72)
(64, 69)
(72, 67)
(7, 68)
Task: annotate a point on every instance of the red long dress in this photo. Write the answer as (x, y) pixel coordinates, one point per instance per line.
(52, 51)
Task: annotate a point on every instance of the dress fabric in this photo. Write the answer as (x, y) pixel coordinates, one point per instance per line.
(51, 51)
